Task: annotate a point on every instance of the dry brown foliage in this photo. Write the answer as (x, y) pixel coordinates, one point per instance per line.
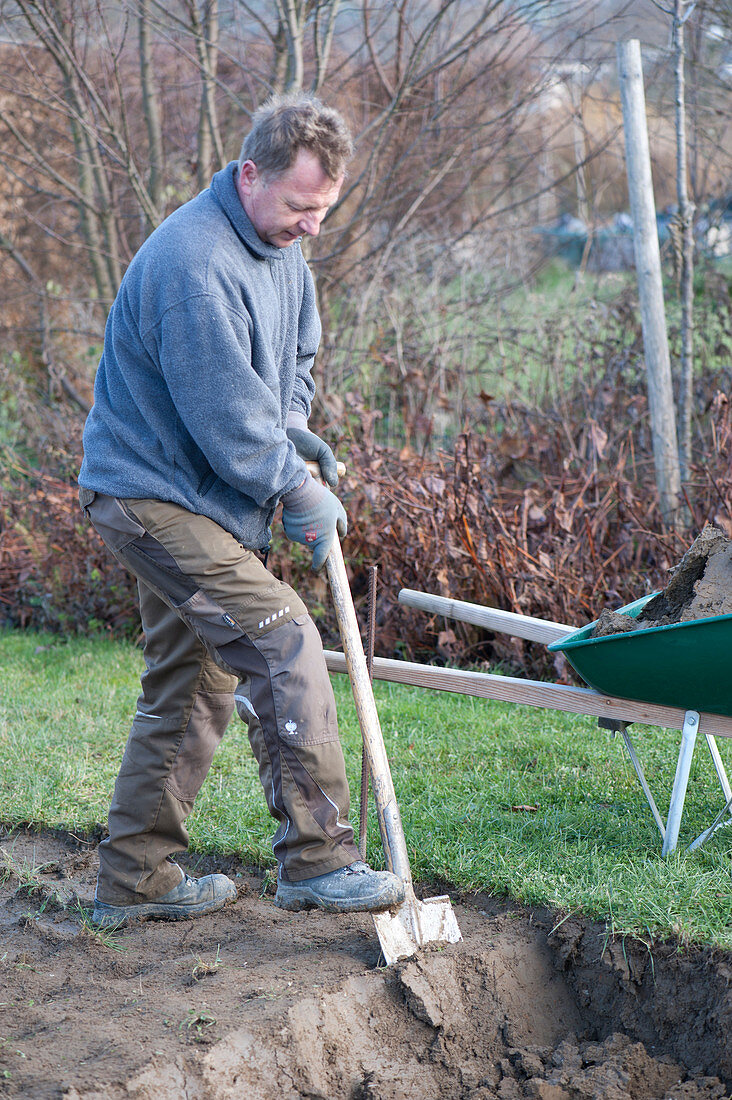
(55, 572)
(464, 525)
(560, 549)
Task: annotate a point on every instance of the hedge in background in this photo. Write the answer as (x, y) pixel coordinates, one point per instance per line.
(504, 521)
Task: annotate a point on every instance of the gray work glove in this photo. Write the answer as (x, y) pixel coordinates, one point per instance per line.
(312, 515)
(311, 448)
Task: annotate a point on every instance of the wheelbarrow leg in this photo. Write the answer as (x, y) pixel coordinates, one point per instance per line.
(726, 790)
(681, 781)
(719, 767)
(716, 824)
(622, 728)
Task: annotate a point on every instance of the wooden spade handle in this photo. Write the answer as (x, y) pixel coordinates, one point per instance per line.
(387, 811)
(314, 469)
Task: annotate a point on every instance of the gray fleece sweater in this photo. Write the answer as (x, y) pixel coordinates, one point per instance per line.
(208, 348)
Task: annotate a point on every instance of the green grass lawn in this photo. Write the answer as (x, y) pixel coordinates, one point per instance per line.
(539, 805)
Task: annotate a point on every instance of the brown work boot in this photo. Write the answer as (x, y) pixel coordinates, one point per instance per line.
(190, 898)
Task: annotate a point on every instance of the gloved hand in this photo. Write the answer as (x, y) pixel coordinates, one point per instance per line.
(312, 515)
(311, 448)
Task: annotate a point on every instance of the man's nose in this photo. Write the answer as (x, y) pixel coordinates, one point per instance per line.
(310, 223)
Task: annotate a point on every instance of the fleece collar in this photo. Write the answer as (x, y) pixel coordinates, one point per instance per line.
(223, 187)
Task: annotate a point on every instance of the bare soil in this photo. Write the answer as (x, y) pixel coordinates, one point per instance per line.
(256, 1003)
(699, 586)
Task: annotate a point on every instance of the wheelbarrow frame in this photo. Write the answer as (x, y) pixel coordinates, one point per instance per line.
(613, 713)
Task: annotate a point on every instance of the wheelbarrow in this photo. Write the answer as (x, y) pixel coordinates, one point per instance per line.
(675, 677)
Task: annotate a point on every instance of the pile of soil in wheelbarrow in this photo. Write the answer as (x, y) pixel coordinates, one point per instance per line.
(700, 586)
(253, 1003)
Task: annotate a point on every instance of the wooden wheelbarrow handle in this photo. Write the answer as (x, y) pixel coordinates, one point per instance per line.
(492, 618)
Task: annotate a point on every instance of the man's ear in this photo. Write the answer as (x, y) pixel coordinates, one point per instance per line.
(246, 177)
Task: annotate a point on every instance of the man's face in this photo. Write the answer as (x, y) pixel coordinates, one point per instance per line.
(291, 205)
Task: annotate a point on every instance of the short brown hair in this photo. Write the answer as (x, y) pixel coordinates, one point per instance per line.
(287, 123)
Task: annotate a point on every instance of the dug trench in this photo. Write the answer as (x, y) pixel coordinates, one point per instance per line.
(259, 1004)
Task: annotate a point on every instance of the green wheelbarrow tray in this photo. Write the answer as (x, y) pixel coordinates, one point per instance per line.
(686, 665)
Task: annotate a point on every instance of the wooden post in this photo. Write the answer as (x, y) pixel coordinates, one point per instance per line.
(650, 285)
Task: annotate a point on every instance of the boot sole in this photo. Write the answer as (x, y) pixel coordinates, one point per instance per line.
(296, 902)
(124, 915)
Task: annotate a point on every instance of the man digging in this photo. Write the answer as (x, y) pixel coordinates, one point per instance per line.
(198, 430)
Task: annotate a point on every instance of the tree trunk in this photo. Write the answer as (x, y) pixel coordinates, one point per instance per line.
(151, 109)
(686, 256)
(292, 15)
(206, 32)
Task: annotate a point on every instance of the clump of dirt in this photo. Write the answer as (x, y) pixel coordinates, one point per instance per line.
(258, 1003)
(699, 586)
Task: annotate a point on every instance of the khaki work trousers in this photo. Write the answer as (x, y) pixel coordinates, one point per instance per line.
(220, 630)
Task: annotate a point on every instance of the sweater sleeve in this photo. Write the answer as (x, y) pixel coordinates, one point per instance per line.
(308, 339)
(204, 348)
